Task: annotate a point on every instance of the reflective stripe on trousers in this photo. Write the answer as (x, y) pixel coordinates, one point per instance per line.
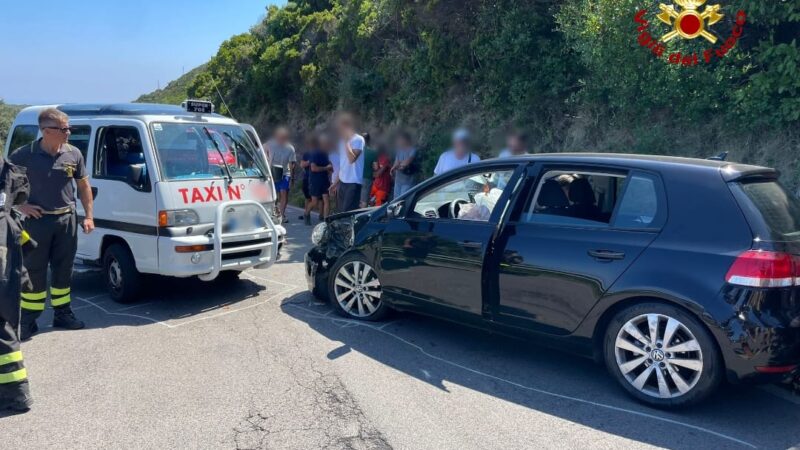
(16, 375)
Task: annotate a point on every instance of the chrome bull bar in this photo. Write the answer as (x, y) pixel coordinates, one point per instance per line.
(219, 239)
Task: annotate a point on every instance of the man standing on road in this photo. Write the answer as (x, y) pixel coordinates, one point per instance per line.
(14, 191)
(459, 155)
(282, 159)
(370, 156)
(347, 186)
(52, 165)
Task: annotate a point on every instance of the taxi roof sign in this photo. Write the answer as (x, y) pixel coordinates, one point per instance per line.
(198, 106)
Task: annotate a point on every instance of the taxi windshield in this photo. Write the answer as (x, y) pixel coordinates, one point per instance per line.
(200, 151)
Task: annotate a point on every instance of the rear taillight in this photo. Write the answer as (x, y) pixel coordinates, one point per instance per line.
(764, 269)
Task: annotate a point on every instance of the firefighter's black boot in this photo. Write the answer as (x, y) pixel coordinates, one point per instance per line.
(16, 397)
(27, 325)
(65, 318)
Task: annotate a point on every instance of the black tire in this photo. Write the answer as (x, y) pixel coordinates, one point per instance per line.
(124, 284)
(228, 277)
(700, 383)
(381, 309)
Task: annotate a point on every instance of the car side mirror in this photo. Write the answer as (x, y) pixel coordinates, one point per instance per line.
(394, 210)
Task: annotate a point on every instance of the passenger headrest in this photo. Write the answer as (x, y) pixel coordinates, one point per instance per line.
(552, 196)
(581, 192)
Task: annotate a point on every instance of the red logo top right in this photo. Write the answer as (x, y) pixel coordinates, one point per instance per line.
(689, 20)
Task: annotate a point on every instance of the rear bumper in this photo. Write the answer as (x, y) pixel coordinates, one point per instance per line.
(758, 354)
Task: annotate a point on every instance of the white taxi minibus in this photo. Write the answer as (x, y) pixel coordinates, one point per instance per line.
(179, 191)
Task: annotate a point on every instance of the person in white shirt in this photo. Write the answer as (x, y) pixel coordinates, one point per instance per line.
(516, 145)
(458, 156)
(349, 172)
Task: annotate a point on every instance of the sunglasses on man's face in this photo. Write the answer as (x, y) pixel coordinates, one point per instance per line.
(64, 130)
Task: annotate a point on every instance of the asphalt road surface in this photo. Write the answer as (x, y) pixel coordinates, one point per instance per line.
(260, 364)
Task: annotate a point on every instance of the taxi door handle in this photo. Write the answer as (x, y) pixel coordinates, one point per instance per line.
(94, 192)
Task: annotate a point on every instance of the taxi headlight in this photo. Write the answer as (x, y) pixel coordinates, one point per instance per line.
(318, 235)
(178, 218)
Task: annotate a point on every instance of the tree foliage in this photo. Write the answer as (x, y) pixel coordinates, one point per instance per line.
(570, 71)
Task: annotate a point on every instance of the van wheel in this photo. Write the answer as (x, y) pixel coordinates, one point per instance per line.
(122, 278)
(228, 277)
(662, 355)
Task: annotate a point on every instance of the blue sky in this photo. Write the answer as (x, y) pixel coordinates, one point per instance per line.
(110, 50)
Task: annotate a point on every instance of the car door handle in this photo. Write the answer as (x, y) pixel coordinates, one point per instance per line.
(94, 192)
(606, 255)
(471, 244)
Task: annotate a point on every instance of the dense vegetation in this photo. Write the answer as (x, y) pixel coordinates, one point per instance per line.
(175, 91)
(7, 115)
(569, 71)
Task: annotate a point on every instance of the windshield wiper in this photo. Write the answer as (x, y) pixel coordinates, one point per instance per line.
(222, 156)
(256, 158)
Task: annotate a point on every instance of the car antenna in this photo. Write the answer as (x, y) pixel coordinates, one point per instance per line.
(221, 97)
(721, 157)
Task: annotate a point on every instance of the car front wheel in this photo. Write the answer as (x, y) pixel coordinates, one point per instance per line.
(355, 290)
(662, 355)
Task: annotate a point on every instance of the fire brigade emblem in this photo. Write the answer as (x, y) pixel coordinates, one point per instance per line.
(70, 170)
(690, 22)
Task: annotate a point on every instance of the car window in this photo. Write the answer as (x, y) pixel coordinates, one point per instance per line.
(119, 155)
(574, 198)
(779, 208)
(23, 135)
(639, 206)
(471, 197)
(79, 137)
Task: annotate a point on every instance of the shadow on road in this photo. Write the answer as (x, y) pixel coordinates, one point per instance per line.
(575, 389)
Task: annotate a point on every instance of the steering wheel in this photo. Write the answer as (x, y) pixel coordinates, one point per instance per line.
(455, 206)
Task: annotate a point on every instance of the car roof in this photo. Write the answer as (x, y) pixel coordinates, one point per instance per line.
(132, 110)
(730, 171)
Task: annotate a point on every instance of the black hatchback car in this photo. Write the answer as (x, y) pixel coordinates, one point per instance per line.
(677, 273)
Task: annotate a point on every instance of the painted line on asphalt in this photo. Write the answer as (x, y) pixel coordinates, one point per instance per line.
(111, 313)
(185, 322)
(530, 388)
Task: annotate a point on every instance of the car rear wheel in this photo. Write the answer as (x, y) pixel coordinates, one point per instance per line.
(122, 278)
(662, 355)
(355, 290)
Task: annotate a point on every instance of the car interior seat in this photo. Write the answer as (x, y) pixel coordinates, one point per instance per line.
(584, 202)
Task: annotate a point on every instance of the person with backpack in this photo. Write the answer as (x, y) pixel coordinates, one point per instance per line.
(405, 167)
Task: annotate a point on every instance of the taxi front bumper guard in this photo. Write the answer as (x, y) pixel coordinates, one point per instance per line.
(246, 239)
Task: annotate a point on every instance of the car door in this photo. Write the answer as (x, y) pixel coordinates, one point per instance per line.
(577, 230)
(122, 207)
(432, 254)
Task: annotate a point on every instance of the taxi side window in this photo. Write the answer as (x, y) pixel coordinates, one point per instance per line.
(120, 156)
(22, 135)
(79, 138)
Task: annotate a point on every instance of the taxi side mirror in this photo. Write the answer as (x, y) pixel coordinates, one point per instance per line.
(137, 176)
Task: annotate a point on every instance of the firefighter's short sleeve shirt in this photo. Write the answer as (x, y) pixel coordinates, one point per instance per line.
(51, 177)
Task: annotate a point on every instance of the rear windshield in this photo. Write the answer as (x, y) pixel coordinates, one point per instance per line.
(780, 209)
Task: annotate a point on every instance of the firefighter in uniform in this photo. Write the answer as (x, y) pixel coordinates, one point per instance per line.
(52, 165)
(14, 189)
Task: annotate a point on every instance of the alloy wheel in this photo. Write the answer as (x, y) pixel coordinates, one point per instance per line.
(357, 289)
(659, 356)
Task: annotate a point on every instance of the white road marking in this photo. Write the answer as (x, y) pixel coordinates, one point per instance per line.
(533, 389)
(149, 319)
(186, 322)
